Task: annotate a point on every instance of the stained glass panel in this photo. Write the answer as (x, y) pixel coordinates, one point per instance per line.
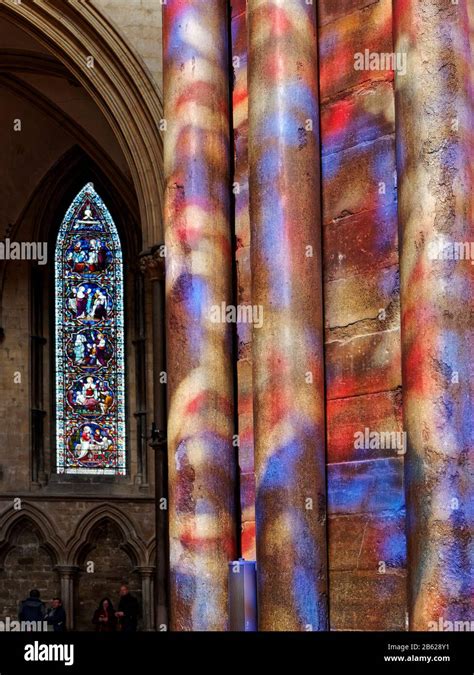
(90, 386)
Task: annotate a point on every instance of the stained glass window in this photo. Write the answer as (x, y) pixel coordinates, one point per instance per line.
(90, 387)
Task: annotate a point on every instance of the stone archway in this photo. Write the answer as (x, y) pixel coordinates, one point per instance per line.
(105, 562)
(100, 59)
(28, 559)
(104, 552)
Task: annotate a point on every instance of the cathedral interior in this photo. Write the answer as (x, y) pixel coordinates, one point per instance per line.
(228, 328)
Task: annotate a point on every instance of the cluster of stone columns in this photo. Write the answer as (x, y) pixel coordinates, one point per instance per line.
(434, 152)
(289, 399)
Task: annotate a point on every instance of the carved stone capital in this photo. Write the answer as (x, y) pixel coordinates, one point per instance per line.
(146, 571)
(67, 571)
(152, 264)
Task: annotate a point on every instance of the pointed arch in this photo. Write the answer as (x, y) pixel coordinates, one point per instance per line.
(89, 355)
(11, 519)
(122, 88)
(132, 545)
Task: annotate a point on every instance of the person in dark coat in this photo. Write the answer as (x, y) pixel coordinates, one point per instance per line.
(56, 616)
(104, 617)
(127, 613)
(33, 608)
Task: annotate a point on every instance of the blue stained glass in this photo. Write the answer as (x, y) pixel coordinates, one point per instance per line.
(90, 372)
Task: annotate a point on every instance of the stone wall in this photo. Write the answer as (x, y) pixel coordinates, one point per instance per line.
(27, 565)
(111, 567)
(363, 373)
(105, 544)
(139, 22)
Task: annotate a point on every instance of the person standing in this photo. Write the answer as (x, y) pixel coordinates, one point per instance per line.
(32, 608)
(104, 617)
(127, 613)
(56, 616)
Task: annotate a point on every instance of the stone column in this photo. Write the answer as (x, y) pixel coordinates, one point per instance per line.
(198, 283)
(434, 153)
(153, 266)
(285, 216)
(147, 576)
(67, 576)
(140, 414)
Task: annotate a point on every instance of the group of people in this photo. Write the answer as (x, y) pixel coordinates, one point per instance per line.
(90, 396)
(90, 349)
(106, 619)
(88, 256)
(88, 302)
(93, 444)
(33, 609)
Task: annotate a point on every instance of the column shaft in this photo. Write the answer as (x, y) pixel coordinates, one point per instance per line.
(198, 280)
(152, 266)
(161, 469)
(285, 215)
(67, 575)
(434, 155)
(147, 575)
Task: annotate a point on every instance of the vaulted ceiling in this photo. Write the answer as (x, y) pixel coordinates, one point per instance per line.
(44, 112)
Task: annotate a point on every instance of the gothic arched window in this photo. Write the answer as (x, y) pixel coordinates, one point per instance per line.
(90, 377)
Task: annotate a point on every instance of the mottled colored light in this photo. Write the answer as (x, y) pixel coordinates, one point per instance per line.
(286, 282)
(198, 276)
(435, 154)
